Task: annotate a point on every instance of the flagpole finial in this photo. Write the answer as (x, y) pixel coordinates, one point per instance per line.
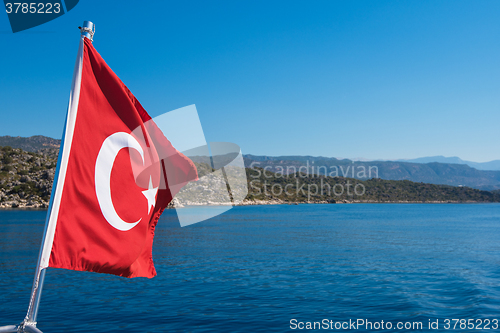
(88, 30)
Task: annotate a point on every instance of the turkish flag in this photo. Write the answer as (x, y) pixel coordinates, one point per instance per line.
(112, 185)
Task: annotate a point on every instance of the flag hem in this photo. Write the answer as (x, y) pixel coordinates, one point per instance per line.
(59, 178)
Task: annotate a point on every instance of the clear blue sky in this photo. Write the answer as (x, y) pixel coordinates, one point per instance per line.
(373, 79)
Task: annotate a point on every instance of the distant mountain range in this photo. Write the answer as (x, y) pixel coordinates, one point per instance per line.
(492, 165)
(432, 173)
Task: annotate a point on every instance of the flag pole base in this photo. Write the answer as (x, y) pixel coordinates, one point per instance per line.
(24, 327)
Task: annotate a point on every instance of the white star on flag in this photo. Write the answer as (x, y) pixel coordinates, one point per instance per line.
(150, 194)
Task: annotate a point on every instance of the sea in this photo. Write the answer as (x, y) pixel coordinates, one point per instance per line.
(278, 268)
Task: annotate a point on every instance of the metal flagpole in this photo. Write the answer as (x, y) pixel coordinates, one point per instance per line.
(29, 323)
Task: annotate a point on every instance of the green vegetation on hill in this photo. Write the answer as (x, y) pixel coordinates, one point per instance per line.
(433, 173)
(301, 187)
(26, 181)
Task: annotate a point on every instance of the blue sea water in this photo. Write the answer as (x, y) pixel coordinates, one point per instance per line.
(255, 268)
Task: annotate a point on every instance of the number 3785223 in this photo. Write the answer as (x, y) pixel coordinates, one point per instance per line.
(32, 8)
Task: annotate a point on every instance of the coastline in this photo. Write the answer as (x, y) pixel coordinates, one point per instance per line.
(24, 206)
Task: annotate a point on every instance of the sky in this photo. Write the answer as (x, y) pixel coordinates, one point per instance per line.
(370, 79)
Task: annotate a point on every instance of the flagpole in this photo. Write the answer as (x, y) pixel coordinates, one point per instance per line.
(29, 323)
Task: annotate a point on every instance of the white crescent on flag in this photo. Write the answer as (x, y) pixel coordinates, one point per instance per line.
(103, 166)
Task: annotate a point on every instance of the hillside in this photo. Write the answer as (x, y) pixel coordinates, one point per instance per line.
(26, 181)
(300, 187)
(454, 174)
(433, 173)
(25, 178)
(31, 144)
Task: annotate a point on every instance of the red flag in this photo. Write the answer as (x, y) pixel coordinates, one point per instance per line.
(111, 187)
